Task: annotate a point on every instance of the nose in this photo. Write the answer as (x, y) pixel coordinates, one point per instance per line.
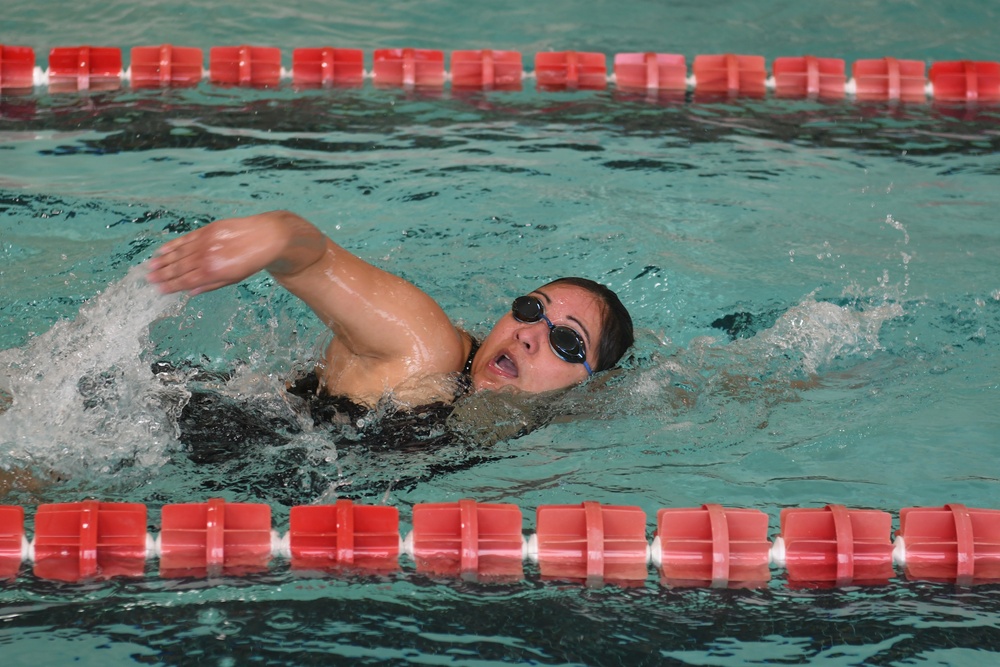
(531, 336)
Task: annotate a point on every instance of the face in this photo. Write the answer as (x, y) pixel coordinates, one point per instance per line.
(518, 354)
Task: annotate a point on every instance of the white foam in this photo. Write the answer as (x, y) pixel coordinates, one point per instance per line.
(82, 392)
(818, 332)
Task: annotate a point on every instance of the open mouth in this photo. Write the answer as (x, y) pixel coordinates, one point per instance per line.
(506, 365)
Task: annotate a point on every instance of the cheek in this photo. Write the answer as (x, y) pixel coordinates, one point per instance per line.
(552, 373)
(501, 330)
(488, 347)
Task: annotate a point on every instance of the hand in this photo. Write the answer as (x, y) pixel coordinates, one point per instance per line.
(228, 251)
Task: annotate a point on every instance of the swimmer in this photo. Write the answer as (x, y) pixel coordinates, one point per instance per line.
(389, 336)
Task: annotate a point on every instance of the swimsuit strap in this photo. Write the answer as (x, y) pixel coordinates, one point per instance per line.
(472, 355)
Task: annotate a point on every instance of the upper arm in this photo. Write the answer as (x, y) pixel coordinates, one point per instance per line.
(376, 314)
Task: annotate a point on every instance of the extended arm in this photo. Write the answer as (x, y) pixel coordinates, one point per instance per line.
(375, 315)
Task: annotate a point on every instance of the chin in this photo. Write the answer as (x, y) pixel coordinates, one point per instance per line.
(490, 383)
(491, 386)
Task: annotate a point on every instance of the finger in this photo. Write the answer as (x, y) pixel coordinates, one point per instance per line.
(178, 252)
(208, 287)
(182, 244)
(178, 248)
(169, 265)
(178, 272)
(173, 244)
(183, 283)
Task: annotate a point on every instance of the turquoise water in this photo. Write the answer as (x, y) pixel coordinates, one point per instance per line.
(858, 240)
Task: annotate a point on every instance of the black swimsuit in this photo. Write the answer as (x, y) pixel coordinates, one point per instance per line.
(235, 436)
(385, 426)
(215, 427)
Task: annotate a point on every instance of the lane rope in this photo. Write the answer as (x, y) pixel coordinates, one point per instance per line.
(710, 545)
(99, 68)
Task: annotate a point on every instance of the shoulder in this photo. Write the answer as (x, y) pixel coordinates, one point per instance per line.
(424, 376)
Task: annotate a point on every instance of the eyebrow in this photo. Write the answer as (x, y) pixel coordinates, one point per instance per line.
(572, 318)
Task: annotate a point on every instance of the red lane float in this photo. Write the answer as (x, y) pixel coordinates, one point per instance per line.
(950, 543)
(571, 70)
(837, 545)
(165, 66)
(256, 66)
(651, 71)
(730, 75)
(966, 81)
(712, 546)
(486, 70)
(12, 540)
(809, 76)
(17, 67)
(344, 535)
(199, 539)
(592, 541)
(79, 68)
(90, 540)
(327, 66)
(409, 68)
(889, 79)
(469, 539)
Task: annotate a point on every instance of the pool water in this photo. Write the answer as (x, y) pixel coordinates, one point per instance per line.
(815, 289)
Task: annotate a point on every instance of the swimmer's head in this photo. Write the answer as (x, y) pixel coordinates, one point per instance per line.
(524, 352)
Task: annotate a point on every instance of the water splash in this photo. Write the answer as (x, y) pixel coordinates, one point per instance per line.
(81, 396)
(715, 391)
(815, 334)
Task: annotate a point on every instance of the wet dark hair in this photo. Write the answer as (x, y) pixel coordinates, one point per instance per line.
(616, 335)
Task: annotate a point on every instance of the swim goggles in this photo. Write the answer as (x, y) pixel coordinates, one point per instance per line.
(565, 342)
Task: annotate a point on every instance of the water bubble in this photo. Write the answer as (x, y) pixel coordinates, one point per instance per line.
(895, 224)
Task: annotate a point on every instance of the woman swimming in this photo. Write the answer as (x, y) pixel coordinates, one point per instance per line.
(393, 350)
(391, 337)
